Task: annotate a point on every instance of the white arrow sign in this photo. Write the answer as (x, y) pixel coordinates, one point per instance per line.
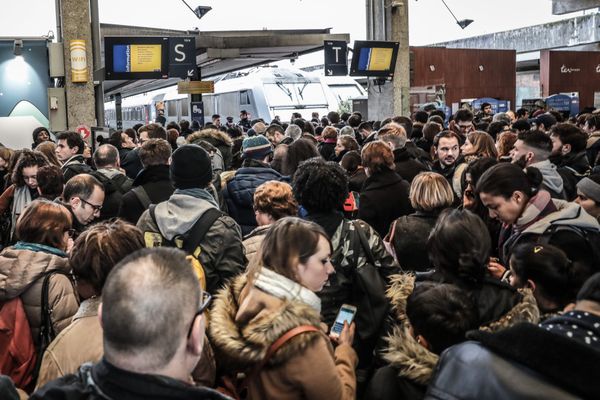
(329, 72)
(190, 72)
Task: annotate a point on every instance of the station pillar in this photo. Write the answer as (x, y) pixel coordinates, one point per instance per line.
(388, 21)
(75, 21)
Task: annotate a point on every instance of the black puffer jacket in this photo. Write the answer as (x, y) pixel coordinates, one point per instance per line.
(157, 184)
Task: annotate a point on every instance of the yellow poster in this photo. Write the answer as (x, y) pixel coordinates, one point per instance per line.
(145, 57)
(381, 59)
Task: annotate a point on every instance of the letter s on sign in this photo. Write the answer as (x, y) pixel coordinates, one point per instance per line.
(178, 49)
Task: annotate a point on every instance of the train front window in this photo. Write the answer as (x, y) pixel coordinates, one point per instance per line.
(345, 92)
(310, 93)
(280, 94)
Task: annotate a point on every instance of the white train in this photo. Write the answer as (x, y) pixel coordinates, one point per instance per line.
(265, 92)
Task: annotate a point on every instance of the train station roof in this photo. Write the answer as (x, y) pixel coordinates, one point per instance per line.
(220, 52)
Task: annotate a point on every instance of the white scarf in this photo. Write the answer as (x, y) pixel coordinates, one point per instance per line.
(283, 288)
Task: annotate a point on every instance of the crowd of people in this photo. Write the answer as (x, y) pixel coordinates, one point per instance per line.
(213, 262)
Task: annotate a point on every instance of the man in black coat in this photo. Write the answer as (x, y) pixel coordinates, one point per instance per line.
(405, 163)
(556, 360)
(152, 185)
(132, 163)
(569, 156)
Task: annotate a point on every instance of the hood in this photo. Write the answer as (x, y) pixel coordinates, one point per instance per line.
(177, 215)
(213, 136)
(245, 322)
(403, 352)
(20, 268)
(566, 214)
(552, 178)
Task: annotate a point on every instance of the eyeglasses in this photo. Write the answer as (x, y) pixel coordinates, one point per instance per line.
(204, 303)
(94, 206)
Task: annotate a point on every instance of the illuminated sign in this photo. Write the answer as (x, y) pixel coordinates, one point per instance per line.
(374, 58)
(130, 58)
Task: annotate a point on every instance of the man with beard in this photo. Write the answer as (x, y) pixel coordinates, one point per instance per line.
(448, 162)
(533, 149)
(568, 154)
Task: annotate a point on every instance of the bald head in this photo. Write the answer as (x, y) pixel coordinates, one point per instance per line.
(149, 302)
(106, 156)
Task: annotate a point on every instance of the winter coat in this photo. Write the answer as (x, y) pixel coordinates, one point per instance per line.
(104, 380)
(246, 321)
(521, 362)
(575, 246)
(357, 180)
(407, 165)
(156, 182)
(78, 343)
(115, 185)
(572, 168)
(383, 198)
(410, 234)
(552, 181)
(253, 240)
(593, 147)
(327, 150)
(132, 164)
(239, 193)
(219, 139)
(74, 166)
(222, 255)
(21, 275)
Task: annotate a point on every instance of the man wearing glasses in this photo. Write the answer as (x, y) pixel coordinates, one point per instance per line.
(83, 195)
(462, 123)
(153, 334)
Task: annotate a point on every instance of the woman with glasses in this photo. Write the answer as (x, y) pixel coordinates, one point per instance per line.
(93, 256)
(23, 191)
(276, 296)
(42, 232)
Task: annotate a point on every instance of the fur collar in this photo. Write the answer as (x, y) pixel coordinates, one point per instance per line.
(526, 310)
(241, 345)
(412, 360)
(214, 134)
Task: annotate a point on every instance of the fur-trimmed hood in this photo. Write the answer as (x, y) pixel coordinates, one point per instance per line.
(245, 322)
(412, 360)
(415, 362)
(213, 136)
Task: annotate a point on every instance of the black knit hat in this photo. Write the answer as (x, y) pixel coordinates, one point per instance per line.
(191, 167)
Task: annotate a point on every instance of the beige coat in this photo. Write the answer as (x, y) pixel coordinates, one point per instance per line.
(80, 342)
(20, 273)
(253, 240)
(245, 322)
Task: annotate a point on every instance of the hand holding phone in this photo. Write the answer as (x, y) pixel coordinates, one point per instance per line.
(344, 318)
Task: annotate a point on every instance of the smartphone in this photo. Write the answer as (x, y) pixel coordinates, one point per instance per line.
(346, 314)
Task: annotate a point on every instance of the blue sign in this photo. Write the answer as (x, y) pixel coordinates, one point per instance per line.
(497, 105)
(563, 103)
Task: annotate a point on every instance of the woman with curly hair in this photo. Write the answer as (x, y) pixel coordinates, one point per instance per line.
(321, 188)
(23, 189)
(273, 200)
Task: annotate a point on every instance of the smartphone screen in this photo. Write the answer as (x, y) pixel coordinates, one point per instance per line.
(346, 314)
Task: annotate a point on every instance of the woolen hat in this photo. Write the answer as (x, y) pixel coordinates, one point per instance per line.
(256, 147)
(191, 167)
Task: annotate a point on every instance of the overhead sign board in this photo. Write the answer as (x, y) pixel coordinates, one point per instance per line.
(182, 58)
(374, 58)
(195, 87)
(198, 112)
(336, 58)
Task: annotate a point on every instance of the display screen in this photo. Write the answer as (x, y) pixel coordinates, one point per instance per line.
(136, 57)
(372, 58)
(345, 315)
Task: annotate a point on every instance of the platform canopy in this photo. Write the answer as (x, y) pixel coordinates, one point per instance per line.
(218, 53)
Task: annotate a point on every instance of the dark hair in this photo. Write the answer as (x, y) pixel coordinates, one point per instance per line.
(591, 289)
(549, 268)
(44, 222)
(406, 124)
(593, 121)
(505, 178)
(81, 186)
(421, 116)
(495, 128)
(570, 134)
(99, 248)
(50, 181)
(537, 140)
(446, 134)
(298, 151)
(521, 112)
(354, 120)
(344, 116)
(27, 158)
(459, 246)
(430, 129)
(521, 125)
(73, 139)
(484, 105)
(366, 126)
(173, 125)
(106, 155)
(36, 133)
(441, 313)
(333, 117)
(155, 152)
(155, 131)
(351, 161)
(184, 124)
(438, 113)
(463, 115)
(153, 326)
(320, 185)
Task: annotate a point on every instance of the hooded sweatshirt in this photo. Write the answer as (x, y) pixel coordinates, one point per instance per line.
(552, 180)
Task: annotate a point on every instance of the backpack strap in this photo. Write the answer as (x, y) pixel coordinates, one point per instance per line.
(196, 234)
(292, 333)
(142, 196)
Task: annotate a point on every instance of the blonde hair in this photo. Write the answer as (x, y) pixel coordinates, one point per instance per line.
(430, 191)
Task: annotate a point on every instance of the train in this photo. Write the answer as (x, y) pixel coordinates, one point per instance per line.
(264, 92)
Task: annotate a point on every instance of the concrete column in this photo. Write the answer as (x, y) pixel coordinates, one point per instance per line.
(390, 22)
(80, 96)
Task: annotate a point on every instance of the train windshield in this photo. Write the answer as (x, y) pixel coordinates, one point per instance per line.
(345, 92)
(283, 94)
